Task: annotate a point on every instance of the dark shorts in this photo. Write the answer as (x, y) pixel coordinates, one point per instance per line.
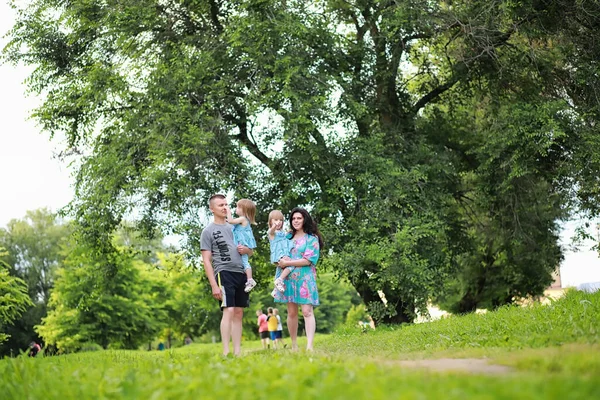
(264, 335)
(232, 285)
(275, 335)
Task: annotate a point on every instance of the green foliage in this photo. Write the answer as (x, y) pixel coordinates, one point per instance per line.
(14, 299)
(510, 204)
(33, 246)
(426, 137)
(356, 314)
(123, 310)
(191, 309)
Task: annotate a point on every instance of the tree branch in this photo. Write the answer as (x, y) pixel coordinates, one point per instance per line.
(435, 93)
(244, 138)
(214, 16)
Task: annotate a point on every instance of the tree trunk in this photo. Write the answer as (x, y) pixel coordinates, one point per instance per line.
(404, 311)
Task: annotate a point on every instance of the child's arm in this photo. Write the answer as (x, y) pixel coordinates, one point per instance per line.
(235, 221)
(271, 232)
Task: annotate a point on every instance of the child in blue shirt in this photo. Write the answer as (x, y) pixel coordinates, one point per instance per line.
(280, 247)
(242, 234)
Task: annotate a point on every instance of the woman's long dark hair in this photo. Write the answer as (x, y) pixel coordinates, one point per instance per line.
(309, 226)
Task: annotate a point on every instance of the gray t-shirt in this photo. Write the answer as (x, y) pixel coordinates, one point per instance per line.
(219, 240)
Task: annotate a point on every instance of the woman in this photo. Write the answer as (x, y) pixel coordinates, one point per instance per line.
(301, 284)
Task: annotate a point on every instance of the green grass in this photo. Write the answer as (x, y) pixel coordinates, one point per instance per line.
(554, 352)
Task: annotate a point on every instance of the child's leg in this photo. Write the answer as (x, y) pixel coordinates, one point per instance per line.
(250, 283)
(279, 284)
(246, 265)
(284, 273)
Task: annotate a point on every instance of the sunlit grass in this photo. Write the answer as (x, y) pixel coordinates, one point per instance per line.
(553, 352)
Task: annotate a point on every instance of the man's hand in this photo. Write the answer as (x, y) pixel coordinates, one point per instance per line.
(216, 292)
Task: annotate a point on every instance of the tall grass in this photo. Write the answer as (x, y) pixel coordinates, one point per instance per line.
(348, 364)
(574, 318)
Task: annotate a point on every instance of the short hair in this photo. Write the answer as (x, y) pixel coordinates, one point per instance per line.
(215, 196)
(249, 209)
(270, 310)
(275, 214)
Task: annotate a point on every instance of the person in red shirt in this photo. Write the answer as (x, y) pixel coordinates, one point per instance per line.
(34, 349)
(263, 328)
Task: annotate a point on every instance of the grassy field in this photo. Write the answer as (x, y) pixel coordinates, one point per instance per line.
(551, 352)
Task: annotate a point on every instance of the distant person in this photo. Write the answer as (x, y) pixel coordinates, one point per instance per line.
(34, 349)
(161, 346)
(242, 234)
(223, 267)
(272, 325)
(188, 340)
(301, 285)
(279, 333)
(263, 328)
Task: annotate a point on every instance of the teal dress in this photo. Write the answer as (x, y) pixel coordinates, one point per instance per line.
(301, 284)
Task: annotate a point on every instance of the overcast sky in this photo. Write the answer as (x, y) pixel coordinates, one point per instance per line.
(32, 177)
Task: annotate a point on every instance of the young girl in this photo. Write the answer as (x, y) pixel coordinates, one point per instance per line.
(280, 247)
(242, 234)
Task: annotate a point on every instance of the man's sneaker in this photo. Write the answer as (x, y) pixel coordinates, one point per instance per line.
(279, 285)
(250, 283)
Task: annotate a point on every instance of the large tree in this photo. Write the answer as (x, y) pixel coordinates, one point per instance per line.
(322, 104)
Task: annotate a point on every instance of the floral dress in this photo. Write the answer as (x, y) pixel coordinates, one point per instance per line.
(301, 284)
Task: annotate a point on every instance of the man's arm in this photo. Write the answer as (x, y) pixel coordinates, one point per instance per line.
(210, 274)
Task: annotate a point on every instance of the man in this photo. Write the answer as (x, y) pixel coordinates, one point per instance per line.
(225, 272)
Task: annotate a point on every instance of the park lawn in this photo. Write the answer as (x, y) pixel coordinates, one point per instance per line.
(553, 352)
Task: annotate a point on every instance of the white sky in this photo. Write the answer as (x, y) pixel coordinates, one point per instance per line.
(31, 177)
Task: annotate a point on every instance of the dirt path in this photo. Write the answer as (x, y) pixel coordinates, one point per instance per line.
(469, 365)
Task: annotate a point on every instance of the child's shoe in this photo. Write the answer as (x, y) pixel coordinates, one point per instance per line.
(250, 283)
(279, 285)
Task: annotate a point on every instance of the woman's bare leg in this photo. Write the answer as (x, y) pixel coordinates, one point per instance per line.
(292, 323)
(310, 325)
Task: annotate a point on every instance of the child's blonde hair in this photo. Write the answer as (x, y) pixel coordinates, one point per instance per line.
(249, 209)
(275, 214)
